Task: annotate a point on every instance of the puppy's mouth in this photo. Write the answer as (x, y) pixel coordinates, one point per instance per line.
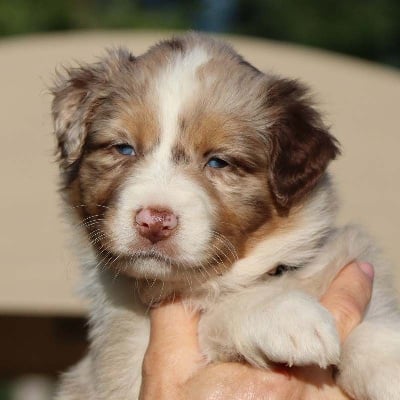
(137, 253)
(153, 253)
(163, 253)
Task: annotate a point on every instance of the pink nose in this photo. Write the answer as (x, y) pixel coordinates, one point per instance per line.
(155, 224)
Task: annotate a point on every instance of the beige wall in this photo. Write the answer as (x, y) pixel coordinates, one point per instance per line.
(37, 273)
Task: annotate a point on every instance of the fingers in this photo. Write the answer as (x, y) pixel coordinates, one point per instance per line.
(172, 355)
(174, 326)
(348, 296)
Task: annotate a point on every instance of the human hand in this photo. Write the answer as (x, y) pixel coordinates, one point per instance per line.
(173, 366)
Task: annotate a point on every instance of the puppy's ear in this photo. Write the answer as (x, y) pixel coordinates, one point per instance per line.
(77, 93)
(73, 100)
(300, 145)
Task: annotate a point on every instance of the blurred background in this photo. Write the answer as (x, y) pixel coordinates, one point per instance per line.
(42, 324)
(364, 28)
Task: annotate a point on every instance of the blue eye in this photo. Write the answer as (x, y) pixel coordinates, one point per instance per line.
(125, 149)
(215, 162)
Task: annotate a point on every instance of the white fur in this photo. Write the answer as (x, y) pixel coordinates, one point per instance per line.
(175, 86)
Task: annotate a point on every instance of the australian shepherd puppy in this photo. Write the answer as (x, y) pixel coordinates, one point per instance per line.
(189, 172)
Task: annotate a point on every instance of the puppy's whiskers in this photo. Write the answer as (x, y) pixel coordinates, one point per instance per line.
(227, 243)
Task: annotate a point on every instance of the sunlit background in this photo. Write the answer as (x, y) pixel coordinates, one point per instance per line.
(366, 29)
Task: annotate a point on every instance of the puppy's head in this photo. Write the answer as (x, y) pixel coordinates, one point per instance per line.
(174, 159)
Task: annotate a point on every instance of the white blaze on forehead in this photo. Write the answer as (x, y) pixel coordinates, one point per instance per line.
(175, 85)
(157, 181)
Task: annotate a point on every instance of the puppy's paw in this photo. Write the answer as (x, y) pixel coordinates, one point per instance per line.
(294, 329)
(372, 383)
(370, 363)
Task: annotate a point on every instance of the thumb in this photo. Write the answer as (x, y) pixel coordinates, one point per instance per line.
(348, 296)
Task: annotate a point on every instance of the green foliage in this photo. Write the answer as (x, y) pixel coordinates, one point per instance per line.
(365, 28)
(24, 16)
(21, 16)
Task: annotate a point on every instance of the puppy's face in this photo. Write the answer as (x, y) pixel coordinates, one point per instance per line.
(175, 159)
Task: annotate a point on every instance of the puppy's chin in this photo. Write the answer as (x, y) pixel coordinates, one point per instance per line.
(150, 267)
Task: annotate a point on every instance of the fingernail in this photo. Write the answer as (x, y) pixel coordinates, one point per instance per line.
(368, 269)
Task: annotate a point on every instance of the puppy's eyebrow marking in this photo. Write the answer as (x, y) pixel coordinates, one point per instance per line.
(179, 155)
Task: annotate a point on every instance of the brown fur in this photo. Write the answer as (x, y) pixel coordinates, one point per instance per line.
(276, 155)
(301, 146)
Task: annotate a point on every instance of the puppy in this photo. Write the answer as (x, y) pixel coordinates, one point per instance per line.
(188, 171)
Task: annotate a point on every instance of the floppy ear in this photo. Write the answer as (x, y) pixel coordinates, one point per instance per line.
(300, 145)
(73, 98)
(77, 93)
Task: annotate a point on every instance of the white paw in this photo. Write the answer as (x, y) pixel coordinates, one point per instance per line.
(295, 329)
(370, 363)
(292, 329)
(377, 380)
